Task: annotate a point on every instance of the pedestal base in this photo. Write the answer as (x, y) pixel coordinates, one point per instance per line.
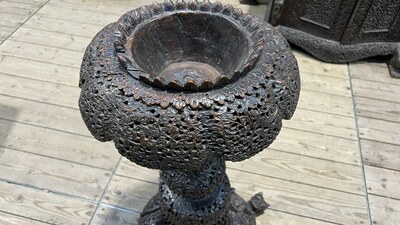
(240, 211)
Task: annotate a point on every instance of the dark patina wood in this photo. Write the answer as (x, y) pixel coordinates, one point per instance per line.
(183, 87)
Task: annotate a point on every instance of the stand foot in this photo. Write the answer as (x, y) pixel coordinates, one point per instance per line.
(240, 211)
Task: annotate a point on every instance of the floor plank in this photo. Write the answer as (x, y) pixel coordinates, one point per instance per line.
(317, 145)
(85, 17)
(12, 20)
(129, 193)
(17, 8)
(301, 169)
(59, 145)
(44, 115)
(328, 103)
(58, 40)
(39, 70)
(308, 201)
(5, 31)
(44, 206)
(372, 71)
(107, 215)
(384, 211)
(378, 109)
(380, 154)
(40, 91)
(53, 174)
(63, 26)
(374, 90)
(323, 123)
(379, 130)
(8, 219)
(129, 169)
(383, 182)
(325, 84)
(308, 64)
(41, 53)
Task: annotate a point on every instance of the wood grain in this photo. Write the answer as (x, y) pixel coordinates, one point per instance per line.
(308, 64)
(305, 170)
(129, 169)
(12, 20)
(57, 144)
(5, 31)
(327, 124)
(129, 193)
(380, 154)
(8, 219)
(317, 145)
(383, 181)
(309, 201)
(52, 174)
(40, 91)
(372, 71)
(378, 109)
(379, 130)
(63, 26)
(384, 211)
(325, 84)
(44, 206)
(328, 103)
(41, 53)
(59, 40)
(107, 215)
(44, 115)
(374, 90)
(39, 70)
(17, 8)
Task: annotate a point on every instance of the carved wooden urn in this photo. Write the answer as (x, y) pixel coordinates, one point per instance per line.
(182, 87)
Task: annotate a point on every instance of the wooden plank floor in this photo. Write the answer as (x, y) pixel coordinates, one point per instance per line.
(336, 162)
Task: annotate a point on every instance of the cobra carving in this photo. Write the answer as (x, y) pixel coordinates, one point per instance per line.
(182, 87)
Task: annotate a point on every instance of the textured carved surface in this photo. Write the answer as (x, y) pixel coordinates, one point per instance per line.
(335, 52)
(186, 103)
(344, 33)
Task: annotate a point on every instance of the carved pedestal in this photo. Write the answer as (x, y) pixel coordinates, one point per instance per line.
(182, 87)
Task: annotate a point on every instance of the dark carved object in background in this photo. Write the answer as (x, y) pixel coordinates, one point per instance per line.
(183, 87)
(341, 31)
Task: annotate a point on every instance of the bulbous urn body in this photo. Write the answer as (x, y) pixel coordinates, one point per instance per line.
(182, 87)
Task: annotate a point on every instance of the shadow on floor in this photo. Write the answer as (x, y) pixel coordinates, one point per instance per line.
(7, 115)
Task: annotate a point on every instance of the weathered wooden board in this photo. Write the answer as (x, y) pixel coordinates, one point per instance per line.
(17, 8)
(376, 72)
(379, 130)
(8, 219)
(374, 90)
(325, 84)
(39, 70)
(305, 170)
(378, 109)
(384, 211)
(58, 40)
(43, 115)
(129, 193)
(5, 31)
(58, 144)
(41, 53)
(43, 206)
(12, 20)
(52, 174)
(383, 182)
(113, 216)
(327, 124)
(380, 154)
(317, 145)
(40, 91)
(311, 65)
(328, 103)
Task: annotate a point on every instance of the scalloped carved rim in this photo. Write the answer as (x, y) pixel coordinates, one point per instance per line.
(127, 25)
